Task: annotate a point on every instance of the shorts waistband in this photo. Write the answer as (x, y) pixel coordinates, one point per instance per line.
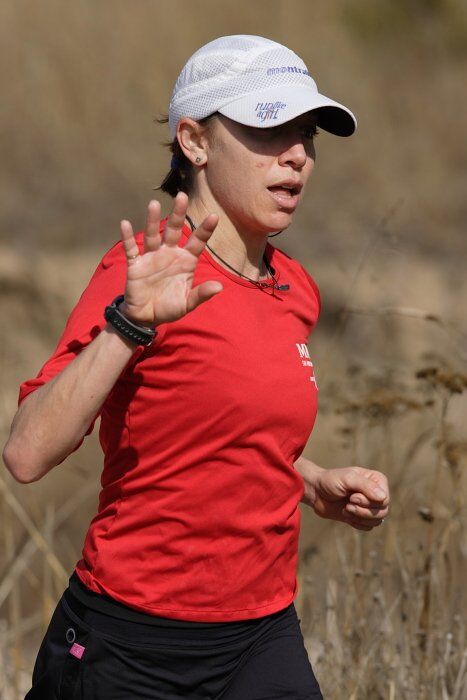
(112, 617)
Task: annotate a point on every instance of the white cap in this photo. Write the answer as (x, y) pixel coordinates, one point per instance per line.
(254, 81)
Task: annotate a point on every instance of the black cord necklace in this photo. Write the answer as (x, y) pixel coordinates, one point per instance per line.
(269, 269)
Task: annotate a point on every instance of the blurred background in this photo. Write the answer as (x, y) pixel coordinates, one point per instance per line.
(382, 229)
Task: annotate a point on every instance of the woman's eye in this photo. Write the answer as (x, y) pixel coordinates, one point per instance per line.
(307, 132)
(310, 132)
(270, 131)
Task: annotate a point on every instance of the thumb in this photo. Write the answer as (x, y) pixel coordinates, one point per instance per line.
(202, 292)
(365, 485)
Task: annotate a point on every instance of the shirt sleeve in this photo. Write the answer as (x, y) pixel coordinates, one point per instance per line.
(85, 322)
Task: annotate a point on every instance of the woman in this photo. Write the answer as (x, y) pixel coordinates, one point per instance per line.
(200, 372)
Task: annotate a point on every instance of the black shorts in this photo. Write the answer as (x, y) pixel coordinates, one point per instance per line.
(89, 655)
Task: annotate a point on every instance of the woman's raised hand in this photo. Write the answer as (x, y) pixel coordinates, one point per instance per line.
(159, 281)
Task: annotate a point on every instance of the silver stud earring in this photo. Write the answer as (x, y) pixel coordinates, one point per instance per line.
(198, 159)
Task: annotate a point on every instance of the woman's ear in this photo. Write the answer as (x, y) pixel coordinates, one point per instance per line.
(192, 139)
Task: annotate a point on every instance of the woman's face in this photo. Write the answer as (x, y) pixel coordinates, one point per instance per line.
(257, 175)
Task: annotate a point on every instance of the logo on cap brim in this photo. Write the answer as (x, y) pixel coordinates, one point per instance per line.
(269, 110)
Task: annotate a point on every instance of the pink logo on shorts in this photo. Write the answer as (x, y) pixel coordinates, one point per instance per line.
(77, 650)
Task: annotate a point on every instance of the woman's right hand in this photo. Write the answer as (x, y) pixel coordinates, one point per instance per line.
(159, 281)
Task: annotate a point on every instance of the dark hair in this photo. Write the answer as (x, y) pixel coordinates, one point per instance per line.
(180, 176)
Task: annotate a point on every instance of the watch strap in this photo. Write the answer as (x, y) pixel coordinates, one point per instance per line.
(126, 328)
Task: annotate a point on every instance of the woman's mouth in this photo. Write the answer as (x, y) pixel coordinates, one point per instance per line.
(287, 196)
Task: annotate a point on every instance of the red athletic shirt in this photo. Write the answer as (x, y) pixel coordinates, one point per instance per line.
(198, 515)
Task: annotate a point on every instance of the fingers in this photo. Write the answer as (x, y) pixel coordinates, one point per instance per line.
(174, 225)
(370, 513)
(359, 499)
(372, 485)
(365, 517)
(175, 220)
(152, 239)
(368, 506)
(359, 526)
(200, 236)
(129, 244)
(361, 518)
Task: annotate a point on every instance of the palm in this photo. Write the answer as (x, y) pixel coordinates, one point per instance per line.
(159, 285)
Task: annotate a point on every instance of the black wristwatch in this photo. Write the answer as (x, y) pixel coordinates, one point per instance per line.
(137, 334)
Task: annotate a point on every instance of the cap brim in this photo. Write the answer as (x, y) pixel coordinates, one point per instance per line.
(275, 106)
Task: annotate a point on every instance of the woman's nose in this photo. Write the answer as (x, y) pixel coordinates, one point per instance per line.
(295, 155)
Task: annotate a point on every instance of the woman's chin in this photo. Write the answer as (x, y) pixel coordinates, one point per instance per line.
(270, 222)
(279, 221)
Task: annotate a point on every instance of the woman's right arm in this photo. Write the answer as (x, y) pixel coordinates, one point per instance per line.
(54, 418)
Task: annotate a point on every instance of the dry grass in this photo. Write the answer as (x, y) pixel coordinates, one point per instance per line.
(80, 150)
(389, 617)
(383, 613)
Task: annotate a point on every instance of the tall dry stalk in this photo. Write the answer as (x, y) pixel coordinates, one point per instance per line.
(393, 610)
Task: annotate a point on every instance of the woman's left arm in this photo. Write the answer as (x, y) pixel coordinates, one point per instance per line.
(353, 495)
